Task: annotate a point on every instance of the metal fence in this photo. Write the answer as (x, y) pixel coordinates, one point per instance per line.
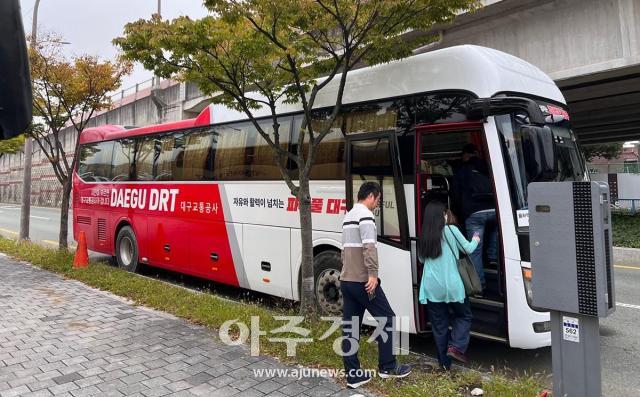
(626, 206)
(615, 168)
(134, 89)
(46, 190)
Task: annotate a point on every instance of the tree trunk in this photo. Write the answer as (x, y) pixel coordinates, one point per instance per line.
(64, 214)
(307, 294)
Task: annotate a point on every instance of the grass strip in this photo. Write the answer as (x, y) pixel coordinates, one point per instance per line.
(626, 230)
(210, 311)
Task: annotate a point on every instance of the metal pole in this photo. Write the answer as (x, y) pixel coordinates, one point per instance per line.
(25, 211)
(159, 7)
(575, 355)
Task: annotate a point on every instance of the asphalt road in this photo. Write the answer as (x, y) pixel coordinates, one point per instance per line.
(620, 333)
(43, 227)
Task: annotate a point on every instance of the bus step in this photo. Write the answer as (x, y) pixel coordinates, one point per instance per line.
(485, 301)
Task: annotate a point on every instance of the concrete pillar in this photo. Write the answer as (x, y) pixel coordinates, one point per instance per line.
(629, 17)
(182, 98)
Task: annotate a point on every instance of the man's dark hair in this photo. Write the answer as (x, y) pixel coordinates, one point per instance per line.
(367, 188)
(469, 148)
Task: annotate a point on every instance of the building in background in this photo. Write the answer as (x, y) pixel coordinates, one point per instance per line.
(627, 162)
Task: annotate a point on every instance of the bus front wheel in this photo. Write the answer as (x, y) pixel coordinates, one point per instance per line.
(127, 249)
(327, 266)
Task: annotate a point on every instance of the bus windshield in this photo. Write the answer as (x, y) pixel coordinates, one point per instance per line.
(571, 165)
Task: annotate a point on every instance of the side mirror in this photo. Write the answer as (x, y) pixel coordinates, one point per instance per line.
(482, 108)
(539, 150)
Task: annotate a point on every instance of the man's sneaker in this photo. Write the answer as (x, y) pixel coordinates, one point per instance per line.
(399, 372)
(457, 355)
(357, 382)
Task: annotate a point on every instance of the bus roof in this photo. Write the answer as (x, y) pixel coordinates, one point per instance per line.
(482, 71)
(109, 132)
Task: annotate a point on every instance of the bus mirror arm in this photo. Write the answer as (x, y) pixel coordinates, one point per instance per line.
(482, 108)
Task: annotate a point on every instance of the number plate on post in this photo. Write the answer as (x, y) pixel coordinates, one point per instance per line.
(570, 329)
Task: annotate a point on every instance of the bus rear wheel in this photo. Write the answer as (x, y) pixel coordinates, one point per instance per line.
(327, 266)
(127, 249)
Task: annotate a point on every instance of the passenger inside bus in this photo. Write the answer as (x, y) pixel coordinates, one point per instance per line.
(473, 193)
(454, 170)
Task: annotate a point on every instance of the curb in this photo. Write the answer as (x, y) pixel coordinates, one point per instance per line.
(626, 255)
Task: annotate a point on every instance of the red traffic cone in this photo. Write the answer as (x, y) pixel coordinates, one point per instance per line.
(81, 259)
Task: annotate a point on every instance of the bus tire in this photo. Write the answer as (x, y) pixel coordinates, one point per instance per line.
(327, 266)
(127, 249)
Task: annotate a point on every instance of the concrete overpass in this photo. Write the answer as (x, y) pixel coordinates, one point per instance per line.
(591, 48)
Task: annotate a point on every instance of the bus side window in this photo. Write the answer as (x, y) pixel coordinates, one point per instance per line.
(163, 165)
(372, 160)
(145, 154)
(95, 161)
(229, 162)
(122, 159)
(177, 165)
(261, 161)
(197, 156)
(329, 161)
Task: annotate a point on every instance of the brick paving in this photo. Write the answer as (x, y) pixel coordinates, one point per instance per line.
(62, 338)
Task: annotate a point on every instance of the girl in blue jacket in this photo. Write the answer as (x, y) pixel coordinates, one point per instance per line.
(441, 287)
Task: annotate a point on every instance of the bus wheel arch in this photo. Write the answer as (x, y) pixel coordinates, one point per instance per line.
(327, 266)
(126, 247)
(122, 223)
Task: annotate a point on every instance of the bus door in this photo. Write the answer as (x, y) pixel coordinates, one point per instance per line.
(439, 156)
(374, 157)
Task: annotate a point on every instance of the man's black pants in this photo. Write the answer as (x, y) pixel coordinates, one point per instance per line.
(356, 301)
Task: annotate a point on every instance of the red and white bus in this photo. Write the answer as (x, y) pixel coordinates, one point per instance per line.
(204, 197)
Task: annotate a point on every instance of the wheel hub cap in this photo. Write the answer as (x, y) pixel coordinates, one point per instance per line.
(328, 292)
(126, 251)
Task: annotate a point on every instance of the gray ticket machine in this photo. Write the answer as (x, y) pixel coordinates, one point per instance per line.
(572, 276)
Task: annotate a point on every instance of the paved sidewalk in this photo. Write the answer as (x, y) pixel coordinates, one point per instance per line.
(60, 337)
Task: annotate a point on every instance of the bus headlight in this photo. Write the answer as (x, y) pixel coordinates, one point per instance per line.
(526, 277)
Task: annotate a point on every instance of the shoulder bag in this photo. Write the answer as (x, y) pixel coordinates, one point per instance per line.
(468, 274)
